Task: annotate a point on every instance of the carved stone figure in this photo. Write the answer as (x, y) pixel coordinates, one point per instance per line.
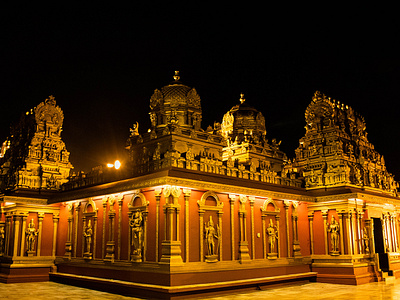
(135, 129)
(334, 230)
(31, 234)
(136, 224)
(272, 232)
(87, 233)
(2, 239)
(212, 233)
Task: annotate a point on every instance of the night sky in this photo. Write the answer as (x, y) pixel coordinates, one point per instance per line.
(102, 66)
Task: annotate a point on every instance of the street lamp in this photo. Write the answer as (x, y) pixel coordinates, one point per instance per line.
(116, 165)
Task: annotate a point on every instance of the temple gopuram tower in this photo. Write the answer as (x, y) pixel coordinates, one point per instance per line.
(335, 150)
(354, 219)
(36, 157)
(34, 163)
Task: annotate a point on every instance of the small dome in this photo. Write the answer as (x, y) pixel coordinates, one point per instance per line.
(175, 103)
(243, 122)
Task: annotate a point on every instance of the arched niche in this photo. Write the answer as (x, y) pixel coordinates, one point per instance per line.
(270, 215)
(89, 231)
(137, 213)
(210, 212)
(204, 202)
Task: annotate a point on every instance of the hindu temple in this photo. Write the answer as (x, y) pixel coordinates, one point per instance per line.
(199, 211)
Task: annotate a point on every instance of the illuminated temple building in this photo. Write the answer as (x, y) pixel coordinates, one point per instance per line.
(200, 211)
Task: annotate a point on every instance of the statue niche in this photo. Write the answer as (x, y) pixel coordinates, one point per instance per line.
(210, 208)
(89, 220)
(270, 211)
(137, 227)
(334, 230)
(212, 237)
(30, 235)
(272, 232)
(87, 233)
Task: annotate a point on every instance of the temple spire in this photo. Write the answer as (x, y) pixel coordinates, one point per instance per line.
(242, 99)
(176, 76)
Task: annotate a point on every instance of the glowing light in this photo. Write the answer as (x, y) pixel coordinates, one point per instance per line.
(116, 165)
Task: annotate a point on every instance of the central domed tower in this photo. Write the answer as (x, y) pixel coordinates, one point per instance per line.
(243, 123)
(177, 104)
(243, 128)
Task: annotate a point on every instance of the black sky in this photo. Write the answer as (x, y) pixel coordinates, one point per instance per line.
(102, 65)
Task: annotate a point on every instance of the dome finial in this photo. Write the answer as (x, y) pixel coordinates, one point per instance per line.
(242, 98)
(176, 76)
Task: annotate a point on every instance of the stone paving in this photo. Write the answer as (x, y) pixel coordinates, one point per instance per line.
(54, 291)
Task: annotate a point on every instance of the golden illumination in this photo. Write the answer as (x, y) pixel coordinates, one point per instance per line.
(116, 165)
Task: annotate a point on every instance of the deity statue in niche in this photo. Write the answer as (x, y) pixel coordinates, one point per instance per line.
(136, 224)
(334, 230)
(211, 234)
(272, 232)
(2, 239)
(87, 233)
(30, 234)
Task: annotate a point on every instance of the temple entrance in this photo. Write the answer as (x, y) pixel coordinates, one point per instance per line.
(380, 245)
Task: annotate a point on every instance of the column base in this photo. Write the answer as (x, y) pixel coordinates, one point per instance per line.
(171, 253)
(110, 251)
(244, 256)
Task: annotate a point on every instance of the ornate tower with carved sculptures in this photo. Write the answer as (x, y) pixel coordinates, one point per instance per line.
(175, 138)
(335, 150)
(243, 128)
(36, 156)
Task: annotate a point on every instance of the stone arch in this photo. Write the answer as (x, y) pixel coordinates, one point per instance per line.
(268, 201)
(206, 195)
(89, 203)
(143, 200)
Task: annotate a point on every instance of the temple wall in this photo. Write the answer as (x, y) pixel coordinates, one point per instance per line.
(239, 223)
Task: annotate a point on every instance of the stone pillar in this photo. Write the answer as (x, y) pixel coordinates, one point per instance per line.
(110, 246)
(16, 223)
(296, 243)
(105, 200)
(201, 227)
(341, 229)
(243, 243)
(253, 249)
(157, 194)
(349, 235)
(22, 251)
(171, 246)
(56, 218)
(187, 193)
(264, 230)
(232, 199)
(287, 204)
(68, 243)
(120, 201)
(325, 221)
(40, 233)
(310, 221)
(76, 221)
(8, 231)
